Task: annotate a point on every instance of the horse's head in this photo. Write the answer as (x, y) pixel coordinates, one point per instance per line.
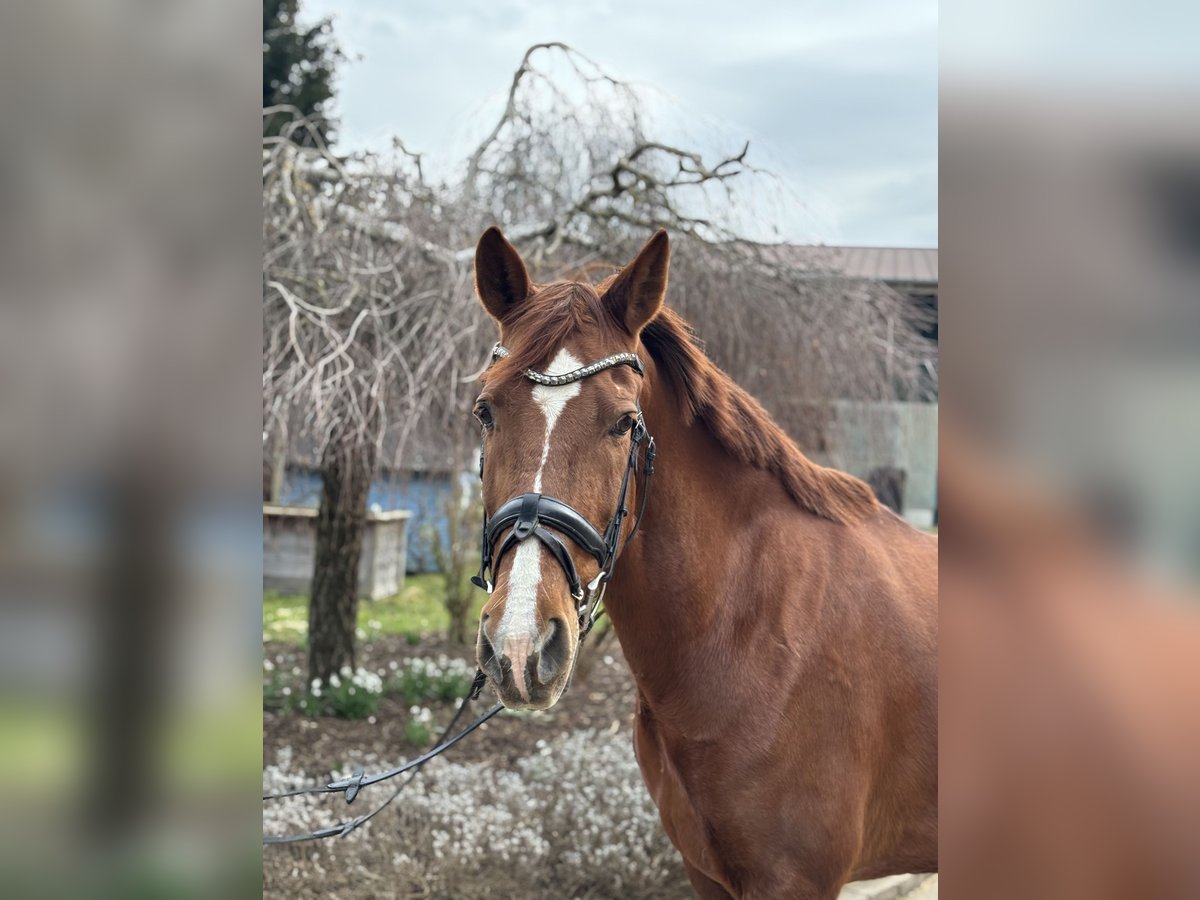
(570, 442)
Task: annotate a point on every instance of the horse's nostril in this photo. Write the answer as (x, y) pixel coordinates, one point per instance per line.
(485, 635)
(554, 653)
(486, 653)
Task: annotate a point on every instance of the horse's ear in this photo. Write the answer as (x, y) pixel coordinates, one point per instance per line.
(500, 277)
(636, 295)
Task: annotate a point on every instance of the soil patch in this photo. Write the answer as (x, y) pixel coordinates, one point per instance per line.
(602, 698)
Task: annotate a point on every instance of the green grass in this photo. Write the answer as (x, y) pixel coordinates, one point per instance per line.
(418, 610)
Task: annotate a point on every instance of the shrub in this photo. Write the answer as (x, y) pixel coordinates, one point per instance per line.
(422, 680)
(419, 729)
(351, 695)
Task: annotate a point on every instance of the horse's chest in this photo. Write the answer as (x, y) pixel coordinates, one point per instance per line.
(681, 814)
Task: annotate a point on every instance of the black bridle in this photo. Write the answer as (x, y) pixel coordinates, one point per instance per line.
(539, 516)
(527, 515)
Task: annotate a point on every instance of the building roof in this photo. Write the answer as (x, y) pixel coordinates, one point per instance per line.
(894, 265)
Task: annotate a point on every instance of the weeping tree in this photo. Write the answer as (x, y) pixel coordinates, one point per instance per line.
(373, 336)
(581, 168)
(362, 326)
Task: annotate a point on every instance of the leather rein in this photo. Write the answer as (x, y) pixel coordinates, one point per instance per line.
(527, 515)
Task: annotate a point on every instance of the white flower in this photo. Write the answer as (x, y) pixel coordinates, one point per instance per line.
(287, 692)
(316, 684)
(334, 681)
(268, 665)
(344, 671)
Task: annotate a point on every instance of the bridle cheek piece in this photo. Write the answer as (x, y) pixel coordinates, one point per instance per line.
(544, 518)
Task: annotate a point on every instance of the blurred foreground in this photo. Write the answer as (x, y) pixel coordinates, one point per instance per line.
(129, 427)
(1069, 488)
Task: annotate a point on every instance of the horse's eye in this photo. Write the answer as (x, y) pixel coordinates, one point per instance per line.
(622, 426)
(483, 413)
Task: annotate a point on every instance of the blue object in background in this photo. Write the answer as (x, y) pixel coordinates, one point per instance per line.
(424, 493)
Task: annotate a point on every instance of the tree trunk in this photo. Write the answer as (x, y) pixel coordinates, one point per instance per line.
(458, 608)
(458, 554)
(133, 627)
(347, 467)
(458, 596)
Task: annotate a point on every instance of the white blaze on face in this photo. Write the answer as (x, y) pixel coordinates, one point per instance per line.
(518, 626)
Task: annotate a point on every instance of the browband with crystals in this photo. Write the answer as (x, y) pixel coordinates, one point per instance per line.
(617, 359)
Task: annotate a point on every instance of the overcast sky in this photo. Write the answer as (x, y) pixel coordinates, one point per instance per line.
(839, 97)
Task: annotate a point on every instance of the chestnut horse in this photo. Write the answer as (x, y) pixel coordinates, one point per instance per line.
(780, 623)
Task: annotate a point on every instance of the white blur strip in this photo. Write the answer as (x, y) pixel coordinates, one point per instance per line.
(520, 605)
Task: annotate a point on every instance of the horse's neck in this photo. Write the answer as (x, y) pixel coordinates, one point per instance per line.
(664, 600)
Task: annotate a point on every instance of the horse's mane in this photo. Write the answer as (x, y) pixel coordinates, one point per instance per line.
(708, 396)
(745, 429)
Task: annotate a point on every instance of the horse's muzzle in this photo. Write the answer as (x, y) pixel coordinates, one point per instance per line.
(528, 671)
